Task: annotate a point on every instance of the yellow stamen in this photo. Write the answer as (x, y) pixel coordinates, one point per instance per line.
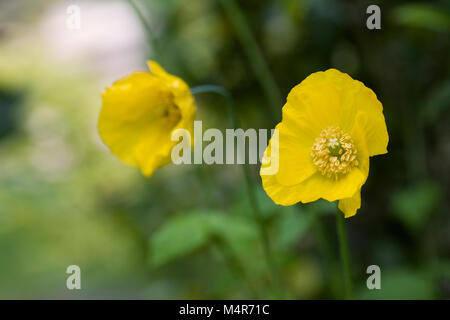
(334, 153)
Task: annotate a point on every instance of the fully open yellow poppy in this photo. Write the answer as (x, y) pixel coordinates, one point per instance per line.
(331, 125)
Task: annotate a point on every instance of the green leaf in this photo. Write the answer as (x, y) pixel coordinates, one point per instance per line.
(241, 235)
(191, 231)
(182, 235)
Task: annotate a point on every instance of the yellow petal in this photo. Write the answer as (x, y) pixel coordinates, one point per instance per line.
(296, 138)
(349, 206)
(316, 100)
(156, 69)
(375, 132)
(177, 84)
(280, 194)
(359, 139)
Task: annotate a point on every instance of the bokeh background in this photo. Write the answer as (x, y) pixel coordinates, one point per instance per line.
(187, 232)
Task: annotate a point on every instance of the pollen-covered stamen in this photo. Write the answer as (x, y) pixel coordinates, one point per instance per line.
(334, 153)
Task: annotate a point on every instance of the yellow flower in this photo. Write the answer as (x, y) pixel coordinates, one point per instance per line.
(331, 125)
(139, 114)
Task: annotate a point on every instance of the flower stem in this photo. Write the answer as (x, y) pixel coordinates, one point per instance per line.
(257, 215)
(152, 41)
(276, 282)
(236, 267)
(343, 248)
(254, 56)
(323, 241)
(209, 88)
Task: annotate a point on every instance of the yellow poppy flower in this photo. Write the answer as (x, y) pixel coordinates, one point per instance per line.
(330, 127)
(139, 114)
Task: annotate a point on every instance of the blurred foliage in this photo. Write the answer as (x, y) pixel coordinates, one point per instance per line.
(194, 230)
(402, 284)
(9, 106)
(188, 231)
(422, 15)
(414, 205)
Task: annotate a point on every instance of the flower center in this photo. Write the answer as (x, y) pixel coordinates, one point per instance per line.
(334, 153)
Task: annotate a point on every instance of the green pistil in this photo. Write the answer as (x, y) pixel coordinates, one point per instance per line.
(335, 148)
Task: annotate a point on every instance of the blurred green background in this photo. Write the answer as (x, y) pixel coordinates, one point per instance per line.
(188, 233)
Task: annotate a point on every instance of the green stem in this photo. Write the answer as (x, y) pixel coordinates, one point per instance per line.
(150, 35)
(206, 181)
(254, 56)
(343, 248)
(250, 187)
(209, 88)
(264, 234)
(236, 267)
(324, 245)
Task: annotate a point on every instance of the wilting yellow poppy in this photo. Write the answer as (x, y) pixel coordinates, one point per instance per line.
(331, 125)
(139, 114)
